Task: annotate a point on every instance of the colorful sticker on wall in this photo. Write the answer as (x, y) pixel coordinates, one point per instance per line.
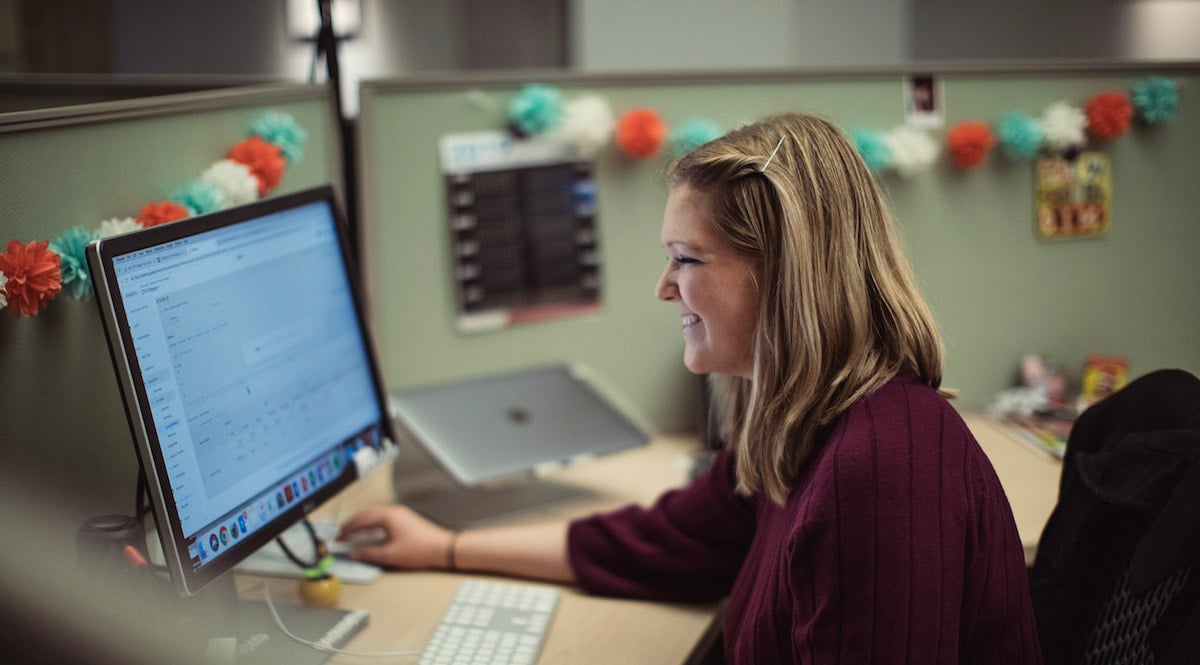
(1073, 195)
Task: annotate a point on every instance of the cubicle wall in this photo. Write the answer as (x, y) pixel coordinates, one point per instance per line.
(63, 427)
(998, 291)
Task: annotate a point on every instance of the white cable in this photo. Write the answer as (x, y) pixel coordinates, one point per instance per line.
(322, 646)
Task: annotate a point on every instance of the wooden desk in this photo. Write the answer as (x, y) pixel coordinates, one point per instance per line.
(1030, 479)
(405, 607)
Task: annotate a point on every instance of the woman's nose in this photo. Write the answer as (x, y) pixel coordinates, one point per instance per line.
(666, 289)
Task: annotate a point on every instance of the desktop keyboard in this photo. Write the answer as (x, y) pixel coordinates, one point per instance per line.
(492, 623)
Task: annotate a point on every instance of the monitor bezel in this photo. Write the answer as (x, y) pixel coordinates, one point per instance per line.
(100, 254)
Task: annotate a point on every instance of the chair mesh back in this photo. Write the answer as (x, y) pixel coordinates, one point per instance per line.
(1121, 635)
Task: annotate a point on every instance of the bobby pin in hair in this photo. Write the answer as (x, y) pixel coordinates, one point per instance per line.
(768, 162)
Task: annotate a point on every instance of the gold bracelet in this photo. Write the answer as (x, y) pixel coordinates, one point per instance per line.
(451, 565)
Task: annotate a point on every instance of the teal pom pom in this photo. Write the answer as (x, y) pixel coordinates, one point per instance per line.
(1156, 99)
(199, 197)
(536, 109)
(873, 149)
(691, 135)
(281, 130)
(1020, 135)
(71, 246)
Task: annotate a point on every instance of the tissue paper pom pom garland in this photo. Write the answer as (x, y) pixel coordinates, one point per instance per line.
(265, 161)
(691, 135)
(873, 149)
(536, 109)
(911, 150)
(33, 276)
(640, 133)
(161, 212)
(969, 143)
(1108, 114)
(1063, 126)
(587, 122)
(281, 130)
(116, 226)
(71, 247)
(1156, 99)
(233, 180)
(1020, 135)
(198, 197)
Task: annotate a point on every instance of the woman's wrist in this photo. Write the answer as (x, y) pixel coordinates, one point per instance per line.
(451, 552)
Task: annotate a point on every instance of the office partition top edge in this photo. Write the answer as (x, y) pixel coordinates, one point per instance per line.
(127, 109)
(173, 83)
(449, 80)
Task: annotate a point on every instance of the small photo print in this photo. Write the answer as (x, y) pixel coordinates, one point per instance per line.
(923, 102)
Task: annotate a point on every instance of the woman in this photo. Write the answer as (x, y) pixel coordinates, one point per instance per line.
(852, 517)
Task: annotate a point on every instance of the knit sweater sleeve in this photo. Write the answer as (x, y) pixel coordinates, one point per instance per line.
(688, 546)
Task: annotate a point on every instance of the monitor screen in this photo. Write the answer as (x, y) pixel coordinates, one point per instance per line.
(246, 371)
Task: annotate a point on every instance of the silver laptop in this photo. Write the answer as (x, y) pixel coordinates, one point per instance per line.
(472, 448)
(486, 428)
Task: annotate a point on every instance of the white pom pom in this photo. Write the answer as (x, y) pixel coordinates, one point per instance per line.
(912, 150)
(1064, 125)
(3, 295)
(588, 122)
(116, 226)
(234, 180)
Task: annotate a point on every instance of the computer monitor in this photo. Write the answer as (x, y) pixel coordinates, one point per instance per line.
(246, 370)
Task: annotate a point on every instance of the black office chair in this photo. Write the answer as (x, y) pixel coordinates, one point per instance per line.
(1117, 573)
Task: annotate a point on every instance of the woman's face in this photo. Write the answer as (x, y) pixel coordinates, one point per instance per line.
(712, 286)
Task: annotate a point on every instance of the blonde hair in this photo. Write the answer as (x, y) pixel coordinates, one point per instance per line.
(839, 310)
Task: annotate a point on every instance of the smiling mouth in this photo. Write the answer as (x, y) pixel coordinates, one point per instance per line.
(690, 320)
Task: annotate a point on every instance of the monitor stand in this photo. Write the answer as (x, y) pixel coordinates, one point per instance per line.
(422, 485)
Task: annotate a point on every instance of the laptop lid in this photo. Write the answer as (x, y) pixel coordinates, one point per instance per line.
(490, 427)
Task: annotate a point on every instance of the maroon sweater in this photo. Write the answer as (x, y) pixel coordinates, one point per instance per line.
(897, 545)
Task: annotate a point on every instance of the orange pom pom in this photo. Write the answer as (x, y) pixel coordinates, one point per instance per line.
(640, 133)
(34, 276)
(969, 143)
(1108, 114)
(161, 212)
(265, 160)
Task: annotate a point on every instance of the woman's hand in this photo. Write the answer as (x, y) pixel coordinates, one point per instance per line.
(411, 540)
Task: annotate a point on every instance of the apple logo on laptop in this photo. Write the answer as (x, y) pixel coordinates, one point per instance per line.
(518, 415)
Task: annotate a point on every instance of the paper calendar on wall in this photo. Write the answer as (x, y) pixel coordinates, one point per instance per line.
(522, 221)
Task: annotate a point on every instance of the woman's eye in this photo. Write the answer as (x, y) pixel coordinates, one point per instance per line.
(684, 259)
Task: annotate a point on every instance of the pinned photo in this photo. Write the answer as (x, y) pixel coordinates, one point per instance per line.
(923, 102)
